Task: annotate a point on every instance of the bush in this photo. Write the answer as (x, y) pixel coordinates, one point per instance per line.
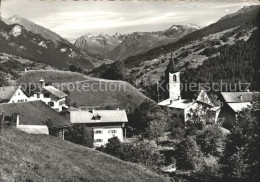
(187, 154)
(137, 152)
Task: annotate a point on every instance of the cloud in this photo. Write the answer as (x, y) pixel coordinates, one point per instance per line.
(74, 18)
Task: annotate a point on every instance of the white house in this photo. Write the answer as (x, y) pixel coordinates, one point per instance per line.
(33, 117)
(183, 108)
(12, 94)
(51, 96)
(105, 124)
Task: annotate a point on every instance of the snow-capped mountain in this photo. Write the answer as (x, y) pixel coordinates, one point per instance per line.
(120, 46)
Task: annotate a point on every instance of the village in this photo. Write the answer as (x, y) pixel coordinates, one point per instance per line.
(33, 113)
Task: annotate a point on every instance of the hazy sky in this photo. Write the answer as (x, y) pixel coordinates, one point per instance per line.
(75, 18)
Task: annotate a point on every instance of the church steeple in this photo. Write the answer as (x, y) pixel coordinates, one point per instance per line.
(172, 77)
(171, 68)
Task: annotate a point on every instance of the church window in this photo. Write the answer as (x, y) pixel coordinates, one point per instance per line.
(174, 78)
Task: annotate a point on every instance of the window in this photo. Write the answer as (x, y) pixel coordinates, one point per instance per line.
(38, 95)
(98, 140)
(46, 95)
(174, 78)
(51, 104)
(18, 93)
(98, 132)
(111, 131)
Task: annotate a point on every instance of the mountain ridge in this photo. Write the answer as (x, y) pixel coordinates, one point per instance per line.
(120, 46)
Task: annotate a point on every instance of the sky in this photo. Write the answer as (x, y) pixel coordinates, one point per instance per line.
(72, 19)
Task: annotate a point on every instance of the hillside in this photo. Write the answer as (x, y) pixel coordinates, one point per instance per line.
(36, 29)
(119, 47)
(46, 158)
(247, 15)
(89, 91)
(18, 41)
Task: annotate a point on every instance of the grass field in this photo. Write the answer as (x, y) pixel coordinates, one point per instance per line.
(100, 92)
(33, 158)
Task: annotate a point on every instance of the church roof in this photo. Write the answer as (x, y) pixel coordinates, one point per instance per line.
(171, 68)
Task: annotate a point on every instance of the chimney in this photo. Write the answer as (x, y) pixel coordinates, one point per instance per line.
(42, 83)
(247, 90)
(240, 97)
(179, 97)
(170, 102)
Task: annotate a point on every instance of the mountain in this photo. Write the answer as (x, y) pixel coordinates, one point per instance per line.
(247, 15)
(27, 157)
(118, 47)
(225, 50)
(18, 41)
(65, 46)
(36, 29)
(88, 91)
(101, 45)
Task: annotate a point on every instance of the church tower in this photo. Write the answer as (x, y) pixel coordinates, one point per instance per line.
(172, 76)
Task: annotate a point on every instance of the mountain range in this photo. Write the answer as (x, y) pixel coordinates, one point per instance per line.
(63, 51)
(121, 46)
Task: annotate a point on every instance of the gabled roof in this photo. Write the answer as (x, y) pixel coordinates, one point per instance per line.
(204, 98)
(57, 93)
(34, 113)
(171, 68)
(106, 116)
(179, 103)
(237, 107)
(237, 96)
(7, 92)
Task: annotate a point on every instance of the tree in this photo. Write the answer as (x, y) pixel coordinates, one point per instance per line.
(155, 130)
(210, 140)
(187, 154)
(240, 160)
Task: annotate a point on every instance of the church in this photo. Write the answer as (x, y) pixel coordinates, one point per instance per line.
(182, 109)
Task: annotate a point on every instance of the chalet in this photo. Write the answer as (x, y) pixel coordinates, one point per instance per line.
(232, 104)
(105, 124)
(12, 94)
(51, 96)
(34, 117)
(182, 109)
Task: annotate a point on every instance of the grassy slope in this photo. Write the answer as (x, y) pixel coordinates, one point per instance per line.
(125, 95)
(46, 158)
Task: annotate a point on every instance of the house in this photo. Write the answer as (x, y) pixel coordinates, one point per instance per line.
(182, 109)
(104, 124)
(232, 104)
(12, 94)
(51, 96)
(33, 117)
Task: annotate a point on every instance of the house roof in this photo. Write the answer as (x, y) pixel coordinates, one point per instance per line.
(179, 104)
(104, 116)
(7, 92)
(237, 96)
(34, 113)
(204, 98)
(237, 107)
(59, 94)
